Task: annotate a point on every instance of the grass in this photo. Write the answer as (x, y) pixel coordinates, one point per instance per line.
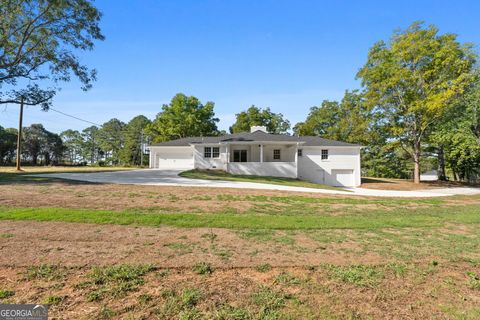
(114, 281)
(389, 256)
(5, 294)
(376, 219)
(44, 272)
(360, 275)
(222, 175)
(202, 268)
(265, 267)
(270, 302)
(53, 300)
(473, 280)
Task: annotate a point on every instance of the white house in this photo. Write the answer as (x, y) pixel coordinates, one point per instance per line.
(260, 153)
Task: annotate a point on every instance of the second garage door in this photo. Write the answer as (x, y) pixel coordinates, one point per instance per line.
(343, 177)
(175, 159)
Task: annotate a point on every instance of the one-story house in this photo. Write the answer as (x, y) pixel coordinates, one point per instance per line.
(260, 153)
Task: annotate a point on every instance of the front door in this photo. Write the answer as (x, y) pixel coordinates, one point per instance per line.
(239, 155)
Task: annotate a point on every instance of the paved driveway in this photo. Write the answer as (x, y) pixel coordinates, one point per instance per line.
(171, 178)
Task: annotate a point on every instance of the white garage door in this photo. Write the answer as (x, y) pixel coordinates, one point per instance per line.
(343, 178)
(175, 159)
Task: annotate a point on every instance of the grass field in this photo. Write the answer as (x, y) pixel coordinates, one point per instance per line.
(151, 252)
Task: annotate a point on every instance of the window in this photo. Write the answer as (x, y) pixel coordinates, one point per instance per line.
(276, 154)
(215, 152)
(207, 152)
(324, 154)
(300, 152)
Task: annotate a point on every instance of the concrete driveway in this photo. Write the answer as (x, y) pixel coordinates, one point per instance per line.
(171, 178)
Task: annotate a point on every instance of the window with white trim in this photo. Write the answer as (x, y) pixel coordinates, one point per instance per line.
(276, 154)
(300, 152)
(324, 154)
(207, 152)
(215, 152)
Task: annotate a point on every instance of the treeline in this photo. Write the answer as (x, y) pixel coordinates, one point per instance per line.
(114, 143)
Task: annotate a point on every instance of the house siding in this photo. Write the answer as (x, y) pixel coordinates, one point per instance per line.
(312, 168)
(270, 169)
(210, 163)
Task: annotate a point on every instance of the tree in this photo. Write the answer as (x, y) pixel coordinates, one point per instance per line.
(37, 44)
(8, 143)
(319, 121)
(458, 136)
(41, 143)
(34, 137)
(111, 139)
(134, 138)
(412, 81)
(53, 149)
(72, 141)
(183, 117)
(255, 116)
(90, 145)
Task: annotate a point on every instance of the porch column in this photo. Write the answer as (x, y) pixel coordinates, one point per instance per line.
(150, 160)
(261, 153)
(228, 157)
(296, 161)
(227, 147)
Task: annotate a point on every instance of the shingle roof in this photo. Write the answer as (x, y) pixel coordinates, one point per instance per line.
(253, 137)
(318, 141)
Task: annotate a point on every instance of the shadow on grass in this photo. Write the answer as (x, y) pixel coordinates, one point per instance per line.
(11, 178)
(373, 180)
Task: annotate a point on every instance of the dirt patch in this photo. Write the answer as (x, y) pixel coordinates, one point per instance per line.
(298, 293)
(78, 245)
(122, 197)
(408, 185)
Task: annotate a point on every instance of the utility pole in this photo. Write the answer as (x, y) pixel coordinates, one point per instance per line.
(19, 138)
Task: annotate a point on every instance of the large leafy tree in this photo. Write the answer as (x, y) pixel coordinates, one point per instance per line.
(8, 142)
(349, 121)
(134, 138)
(90, 146)
(254, 116)
(412, 80)
(40, 143)
(73, 142)
(320, 120)
(184, 116)
(111, 139)
(38, 40)
(457, 137)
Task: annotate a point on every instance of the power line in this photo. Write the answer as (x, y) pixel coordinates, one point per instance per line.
(74, 117)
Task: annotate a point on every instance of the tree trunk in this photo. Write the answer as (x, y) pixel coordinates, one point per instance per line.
(455, 177)
(416, 161)
(441, 164)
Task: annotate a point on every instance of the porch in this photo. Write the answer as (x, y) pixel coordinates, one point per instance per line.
(275, 160)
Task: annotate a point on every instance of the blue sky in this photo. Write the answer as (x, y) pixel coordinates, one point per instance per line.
(286, 55)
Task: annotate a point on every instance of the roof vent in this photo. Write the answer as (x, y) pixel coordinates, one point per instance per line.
(258, 128)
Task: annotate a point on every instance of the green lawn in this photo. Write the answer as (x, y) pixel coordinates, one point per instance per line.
(375, 219)
(222, 175)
